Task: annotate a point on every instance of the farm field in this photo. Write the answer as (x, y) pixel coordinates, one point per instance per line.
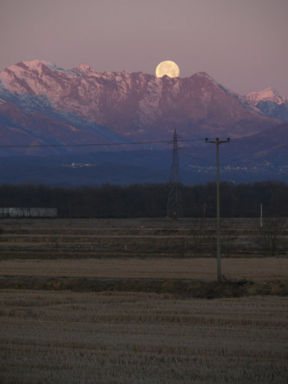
(261, 270)
(120, 305)
(156, 255)
(68, 337)
(154, 238)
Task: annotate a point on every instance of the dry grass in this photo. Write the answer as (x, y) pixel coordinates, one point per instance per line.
(65, 337)
(136, 337)
(266, 269)
(96, 238)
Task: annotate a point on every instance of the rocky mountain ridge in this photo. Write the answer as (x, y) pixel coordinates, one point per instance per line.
(267, 94)
(67, 119)
(134, 105)
(270, 103)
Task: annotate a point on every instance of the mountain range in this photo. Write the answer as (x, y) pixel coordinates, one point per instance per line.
(70, 118)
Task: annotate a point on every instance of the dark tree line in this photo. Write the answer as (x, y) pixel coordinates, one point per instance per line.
(150, 200)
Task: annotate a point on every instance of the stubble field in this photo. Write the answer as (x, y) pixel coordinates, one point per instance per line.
(132, 335)
(65, 337)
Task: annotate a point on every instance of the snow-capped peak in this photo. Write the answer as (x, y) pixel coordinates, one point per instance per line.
(267, 94)
(85, 68)
(23, 66)
(34, 64)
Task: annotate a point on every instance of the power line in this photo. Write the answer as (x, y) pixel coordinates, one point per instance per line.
(94, 144)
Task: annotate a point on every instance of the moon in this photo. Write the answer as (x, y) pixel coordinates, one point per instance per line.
(168, 68)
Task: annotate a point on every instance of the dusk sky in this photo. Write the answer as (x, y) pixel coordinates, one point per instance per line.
(242, 44)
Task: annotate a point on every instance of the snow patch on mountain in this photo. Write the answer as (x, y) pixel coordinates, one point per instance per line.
(27, 102)
(24, 66)
(85, 68)
(149, 105)
(270, 103)
(35, 64)
(267, 94)
(66, 71)
(41, 104)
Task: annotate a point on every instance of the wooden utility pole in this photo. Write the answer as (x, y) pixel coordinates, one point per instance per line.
(217, 141)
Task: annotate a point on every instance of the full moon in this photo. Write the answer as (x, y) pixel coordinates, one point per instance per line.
(168, 68)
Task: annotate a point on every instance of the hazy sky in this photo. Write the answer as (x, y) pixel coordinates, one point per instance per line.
(243, 44)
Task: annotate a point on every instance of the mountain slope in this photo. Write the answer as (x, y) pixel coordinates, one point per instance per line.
(42, 105)
(270, 145)
(136, 105)
(270, 103)
(19, 128)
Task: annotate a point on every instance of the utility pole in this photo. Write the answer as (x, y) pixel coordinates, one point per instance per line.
(261, 215)
(174, 203)
(217, 141)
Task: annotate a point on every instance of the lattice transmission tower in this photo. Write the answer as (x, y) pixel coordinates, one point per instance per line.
(174, 203)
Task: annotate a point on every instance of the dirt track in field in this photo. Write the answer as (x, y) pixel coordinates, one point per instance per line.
(264, 269)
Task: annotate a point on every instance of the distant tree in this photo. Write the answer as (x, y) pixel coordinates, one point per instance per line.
(150, 200)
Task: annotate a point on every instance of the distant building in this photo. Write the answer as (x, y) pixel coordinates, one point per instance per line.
(28, 212)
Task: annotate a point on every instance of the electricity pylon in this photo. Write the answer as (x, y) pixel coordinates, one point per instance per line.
(174, 203)
(217, 141)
